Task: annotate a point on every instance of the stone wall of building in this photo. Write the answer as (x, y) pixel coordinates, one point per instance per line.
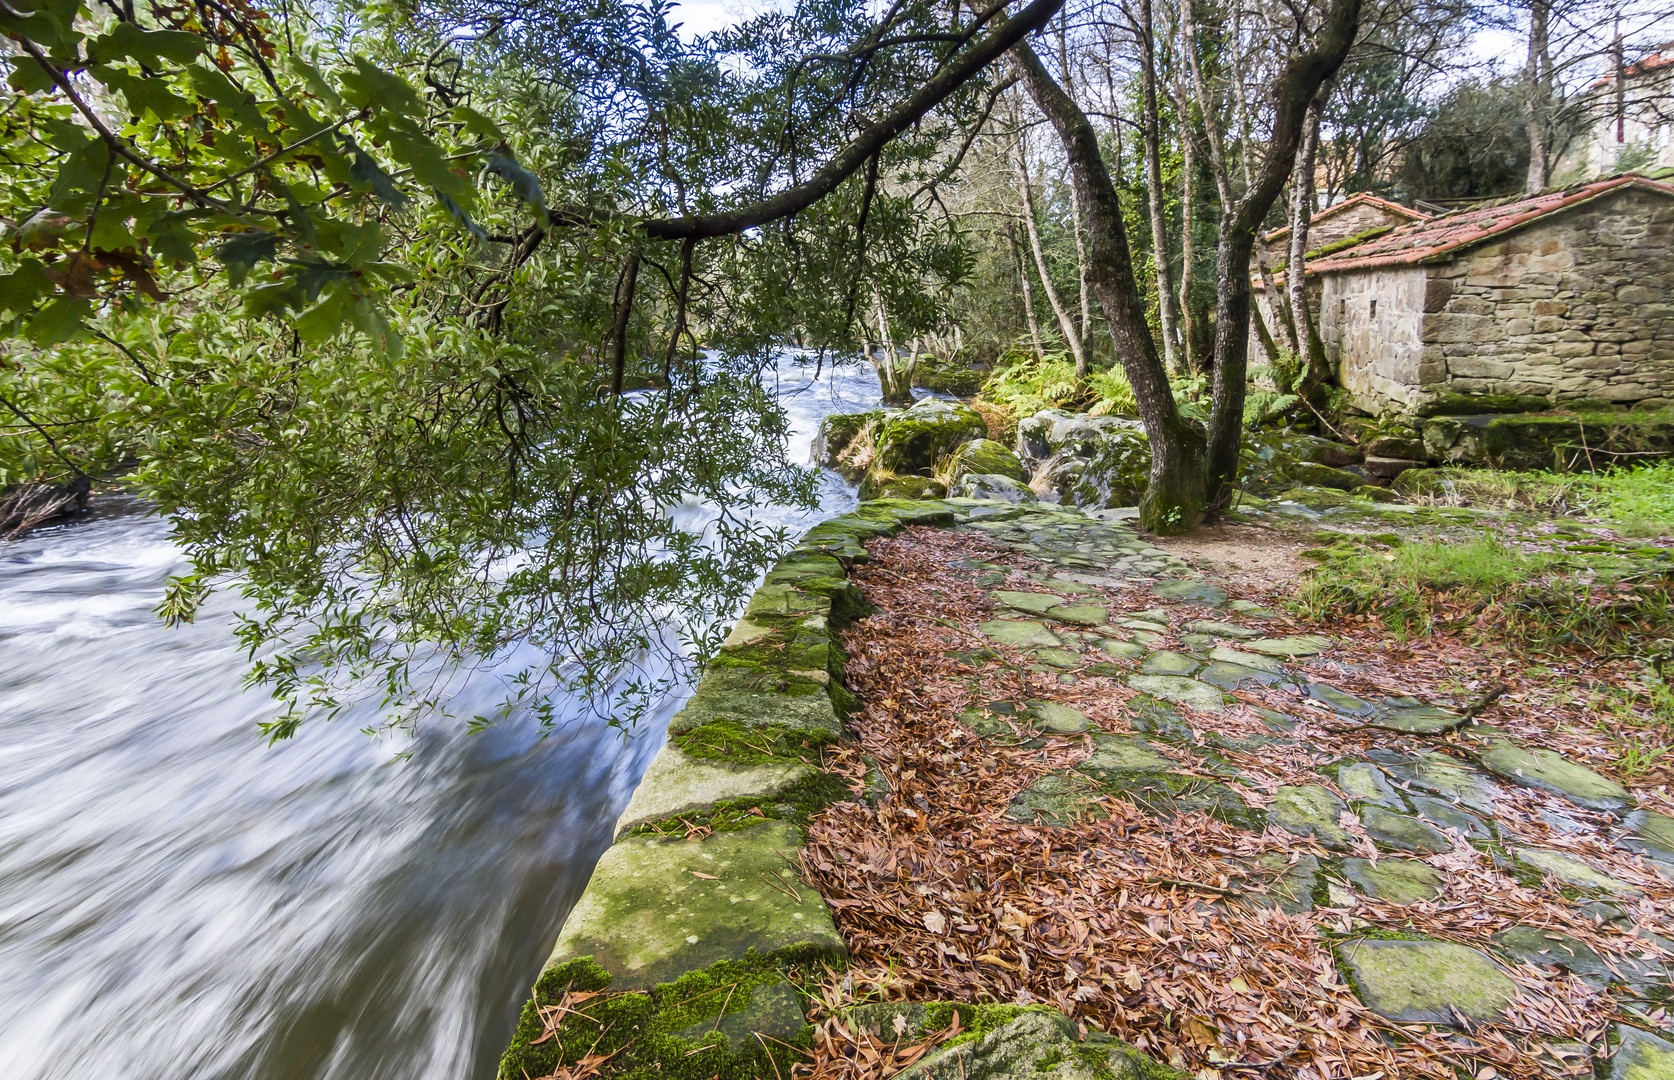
(1577, 306)
(1372, 323)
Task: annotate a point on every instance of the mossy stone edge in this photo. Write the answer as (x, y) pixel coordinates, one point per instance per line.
(750, 737)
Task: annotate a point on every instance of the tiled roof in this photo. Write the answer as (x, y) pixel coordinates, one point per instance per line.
(1423, 241)
(1661, 58)
(1362, 199)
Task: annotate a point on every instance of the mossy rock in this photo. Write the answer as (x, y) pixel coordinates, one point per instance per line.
(1427, 982)
(987, 456)
(912, 441)
(837, 434)
(1112, 471)
(1449, 403)
(877, 484)
(1551, 772)
(677, 783)
(1313, 474)
(655, 909)
(1310, 810)
(994, 487)
(702, 1025)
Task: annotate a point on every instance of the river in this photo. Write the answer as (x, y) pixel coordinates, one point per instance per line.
(179, 901)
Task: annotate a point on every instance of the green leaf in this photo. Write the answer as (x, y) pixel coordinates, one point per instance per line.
(459, 215)
(172, 239)
(28, 76)
(476, 123)
(243, 251)
(523, 182)
(20, 289)
(367, 171)
(149, 47)
(369, 86)
(234, 103)
(354, 245)
(59, 321)
(429, 164)
(275, 298)
(327, 314)
(145, 93)
(81, 175)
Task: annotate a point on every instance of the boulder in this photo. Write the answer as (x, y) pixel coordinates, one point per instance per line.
(1388, 468)
(885, 485)
(993, 486)
(915, 439)
(949, 377)
(1113, 471)
(837, 435)
(1407, 443)
(987, 456)
(1314, 474)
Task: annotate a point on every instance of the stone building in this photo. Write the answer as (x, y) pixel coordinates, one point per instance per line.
(1564, 296)
(1631, 120)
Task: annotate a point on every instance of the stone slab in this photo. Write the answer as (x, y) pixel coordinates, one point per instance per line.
(1450, 778)
(647, 916)
(676, 783)
(1126, 753)
(1389, 829)
(1365, 782)
(1402, 881)
(1033, 602)
(1223, 654)
(1020, 633)
(1554, 774)
(1424, 982)
(1039, 1045)
(1187, 692)
(1571, 870)
(1310, 810)
(1640, 1055)
(1301, 645)
(1447, 816)
(1196, 592)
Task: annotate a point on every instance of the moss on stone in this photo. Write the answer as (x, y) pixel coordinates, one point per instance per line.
(796, 803)
(742, 745)
(675, 1031)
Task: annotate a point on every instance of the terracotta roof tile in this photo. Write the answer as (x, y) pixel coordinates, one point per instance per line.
(1422, 241)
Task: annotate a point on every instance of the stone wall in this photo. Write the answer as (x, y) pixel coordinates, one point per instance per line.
(1577, 306)
(1372, 324)
(692, 950)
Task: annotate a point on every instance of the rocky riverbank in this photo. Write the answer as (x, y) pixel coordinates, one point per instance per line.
(1070, 808)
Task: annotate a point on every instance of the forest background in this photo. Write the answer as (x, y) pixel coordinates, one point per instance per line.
(417, 318)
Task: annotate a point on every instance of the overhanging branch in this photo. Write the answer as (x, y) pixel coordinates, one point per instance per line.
(855, 155)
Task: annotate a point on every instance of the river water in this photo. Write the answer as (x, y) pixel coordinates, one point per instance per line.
(178, 901)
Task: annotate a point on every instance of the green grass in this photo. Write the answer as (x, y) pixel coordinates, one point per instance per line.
(1545, 598)
(1638, 499)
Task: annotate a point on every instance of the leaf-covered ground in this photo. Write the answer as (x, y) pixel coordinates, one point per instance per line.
(1151, 824)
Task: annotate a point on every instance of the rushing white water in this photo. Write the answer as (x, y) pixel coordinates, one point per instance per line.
(180, 901)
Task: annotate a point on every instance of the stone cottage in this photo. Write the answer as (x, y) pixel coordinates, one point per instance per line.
(1563, 296)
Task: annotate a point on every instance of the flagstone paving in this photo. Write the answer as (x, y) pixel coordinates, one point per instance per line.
(1223, 708)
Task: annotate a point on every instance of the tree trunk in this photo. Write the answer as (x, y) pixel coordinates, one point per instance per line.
(1066, 325)
(1317, 368)
(1293, 94)
(895, 377)
(1190, 347)
(1150, 123)
(1173, 502)
(1537, 100)
(1028, 294)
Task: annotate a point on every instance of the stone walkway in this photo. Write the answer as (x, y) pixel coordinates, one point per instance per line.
(1418, 838)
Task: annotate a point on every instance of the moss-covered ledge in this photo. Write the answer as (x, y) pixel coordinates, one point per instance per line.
(689, 951)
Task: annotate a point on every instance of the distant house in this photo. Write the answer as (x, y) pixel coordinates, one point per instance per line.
(1563, 296)
(1631, 123)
